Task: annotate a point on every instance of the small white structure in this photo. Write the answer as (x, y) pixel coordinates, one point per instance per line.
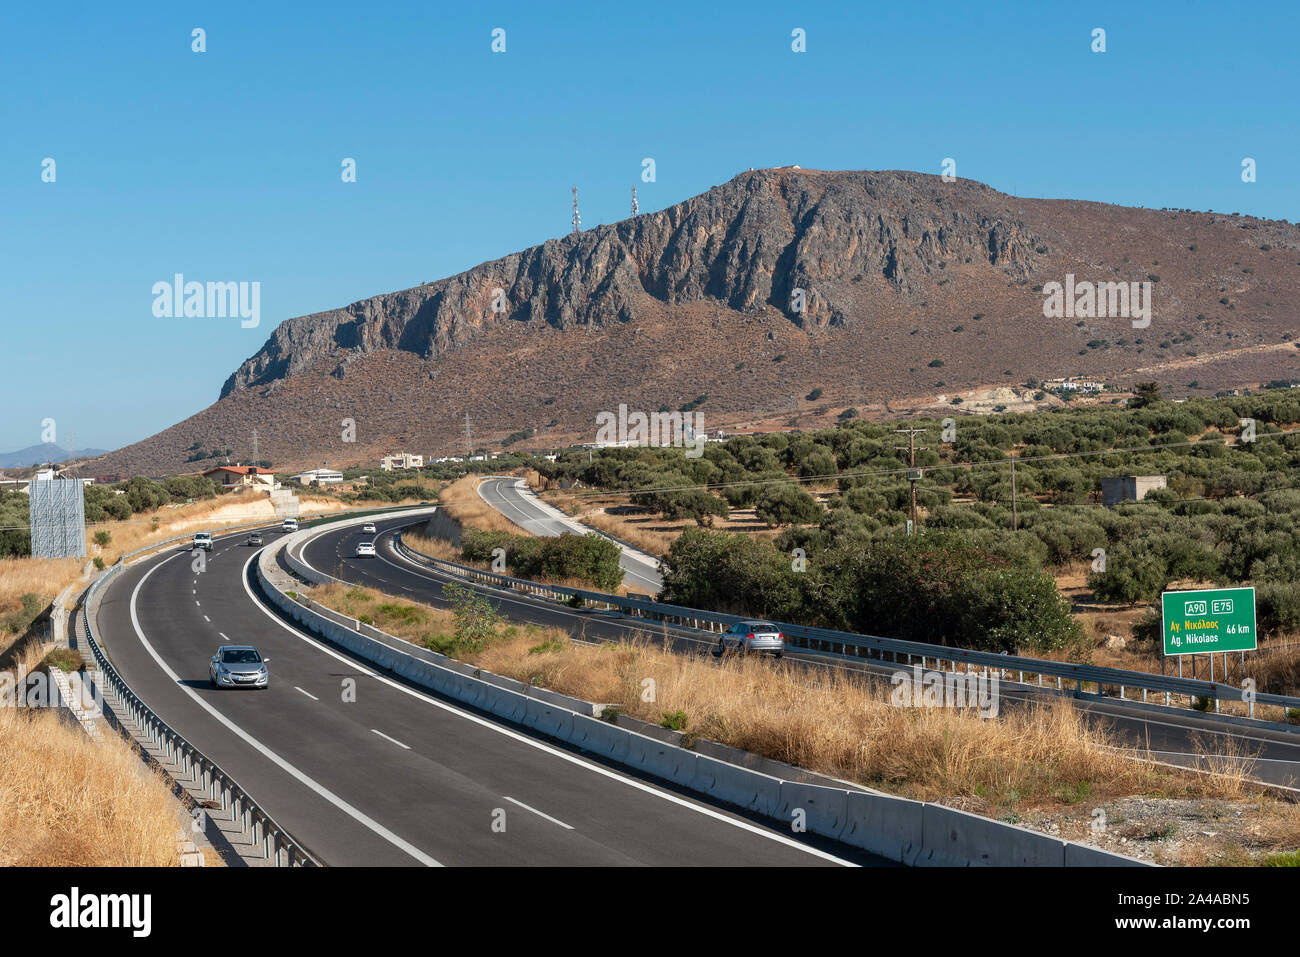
(319, 477)
(401, 460)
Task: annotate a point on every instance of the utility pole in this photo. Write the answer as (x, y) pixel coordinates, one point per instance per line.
(577, 220)
(913, 473)
(255, 448)
(468, 453)
(635, 208)
(1013, 491)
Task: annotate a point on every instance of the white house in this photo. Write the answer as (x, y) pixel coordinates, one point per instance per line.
(319, 477)
(401, 460)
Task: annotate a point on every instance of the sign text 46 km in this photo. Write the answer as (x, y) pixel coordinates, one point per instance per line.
(1215, 619)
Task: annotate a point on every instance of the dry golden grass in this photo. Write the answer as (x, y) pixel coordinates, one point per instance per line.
(653, 541)
(433, 547)
(461, 501)
(837, 724)
(43, 577)
(67, 801)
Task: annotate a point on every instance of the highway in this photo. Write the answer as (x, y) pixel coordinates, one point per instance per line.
(513, 499)
(365, 770)
(1173, 738)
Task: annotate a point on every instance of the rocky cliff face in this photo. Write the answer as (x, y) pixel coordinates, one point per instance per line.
(919, 297)
(842, 238)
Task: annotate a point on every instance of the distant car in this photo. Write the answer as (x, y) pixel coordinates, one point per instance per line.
(368, 528)
(289, 525)
(238, 666)
(365, 549)
(255, 538)
(745, 636)
(202, 540)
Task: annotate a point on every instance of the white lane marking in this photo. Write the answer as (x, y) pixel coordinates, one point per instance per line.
(207, 619)
(554, 752)
(261, 748)
(223, 635)
(553, 820)
(196, 601)
(387, 738)
(307, 693)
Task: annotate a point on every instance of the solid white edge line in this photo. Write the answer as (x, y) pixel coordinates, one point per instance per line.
(307, 693)
(553, 820)
(261, 748)
(524, 739)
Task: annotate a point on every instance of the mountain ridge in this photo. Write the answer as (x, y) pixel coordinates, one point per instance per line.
(898, 271)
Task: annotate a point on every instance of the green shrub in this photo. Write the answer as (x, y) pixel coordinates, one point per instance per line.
(674, 720)
(19, 621)
(787, 504)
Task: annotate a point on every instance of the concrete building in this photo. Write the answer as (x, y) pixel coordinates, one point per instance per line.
(401, 460)
(1129, 488)
(319, 477)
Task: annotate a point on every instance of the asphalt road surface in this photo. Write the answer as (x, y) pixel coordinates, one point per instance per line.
(365, 770)
(513, 499)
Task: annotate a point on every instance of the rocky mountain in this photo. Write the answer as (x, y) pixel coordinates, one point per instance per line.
(886, 291)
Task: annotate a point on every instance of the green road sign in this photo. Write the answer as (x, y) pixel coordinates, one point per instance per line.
(1215, 619)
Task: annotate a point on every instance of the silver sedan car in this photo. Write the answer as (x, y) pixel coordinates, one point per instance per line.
(238, 666)
(747, 636)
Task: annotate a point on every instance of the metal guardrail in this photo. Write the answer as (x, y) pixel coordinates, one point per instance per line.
(843, 644)
(276, 843)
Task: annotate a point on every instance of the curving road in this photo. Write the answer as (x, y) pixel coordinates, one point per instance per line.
(1174, 738)
(515, 500)
(365, 770)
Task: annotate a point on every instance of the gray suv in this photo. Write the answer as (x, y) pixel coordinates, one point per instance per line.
(238, 666)
(752, 636)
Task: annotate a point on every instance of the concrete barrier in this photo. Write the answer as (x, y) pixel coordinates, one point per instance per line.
(742, 787)
(899, 829)
(824, 810)
(959, 836)
(884, 824)
(1081, 855)
(660, 760)
(600, 737)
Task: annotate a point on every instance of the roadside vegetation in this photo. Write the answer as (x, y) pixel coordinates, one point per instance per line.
(835, 501)
(1026, 764)
(67, 801)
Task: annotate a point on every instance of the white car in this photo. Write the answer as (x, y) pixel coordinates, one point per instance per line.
(368, 528)
(365, 549)
(290, 525)
(238, 666)
(202, 540)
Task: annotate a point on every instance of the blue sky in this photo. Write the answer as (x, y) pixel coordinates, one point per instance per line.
(225, 165)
